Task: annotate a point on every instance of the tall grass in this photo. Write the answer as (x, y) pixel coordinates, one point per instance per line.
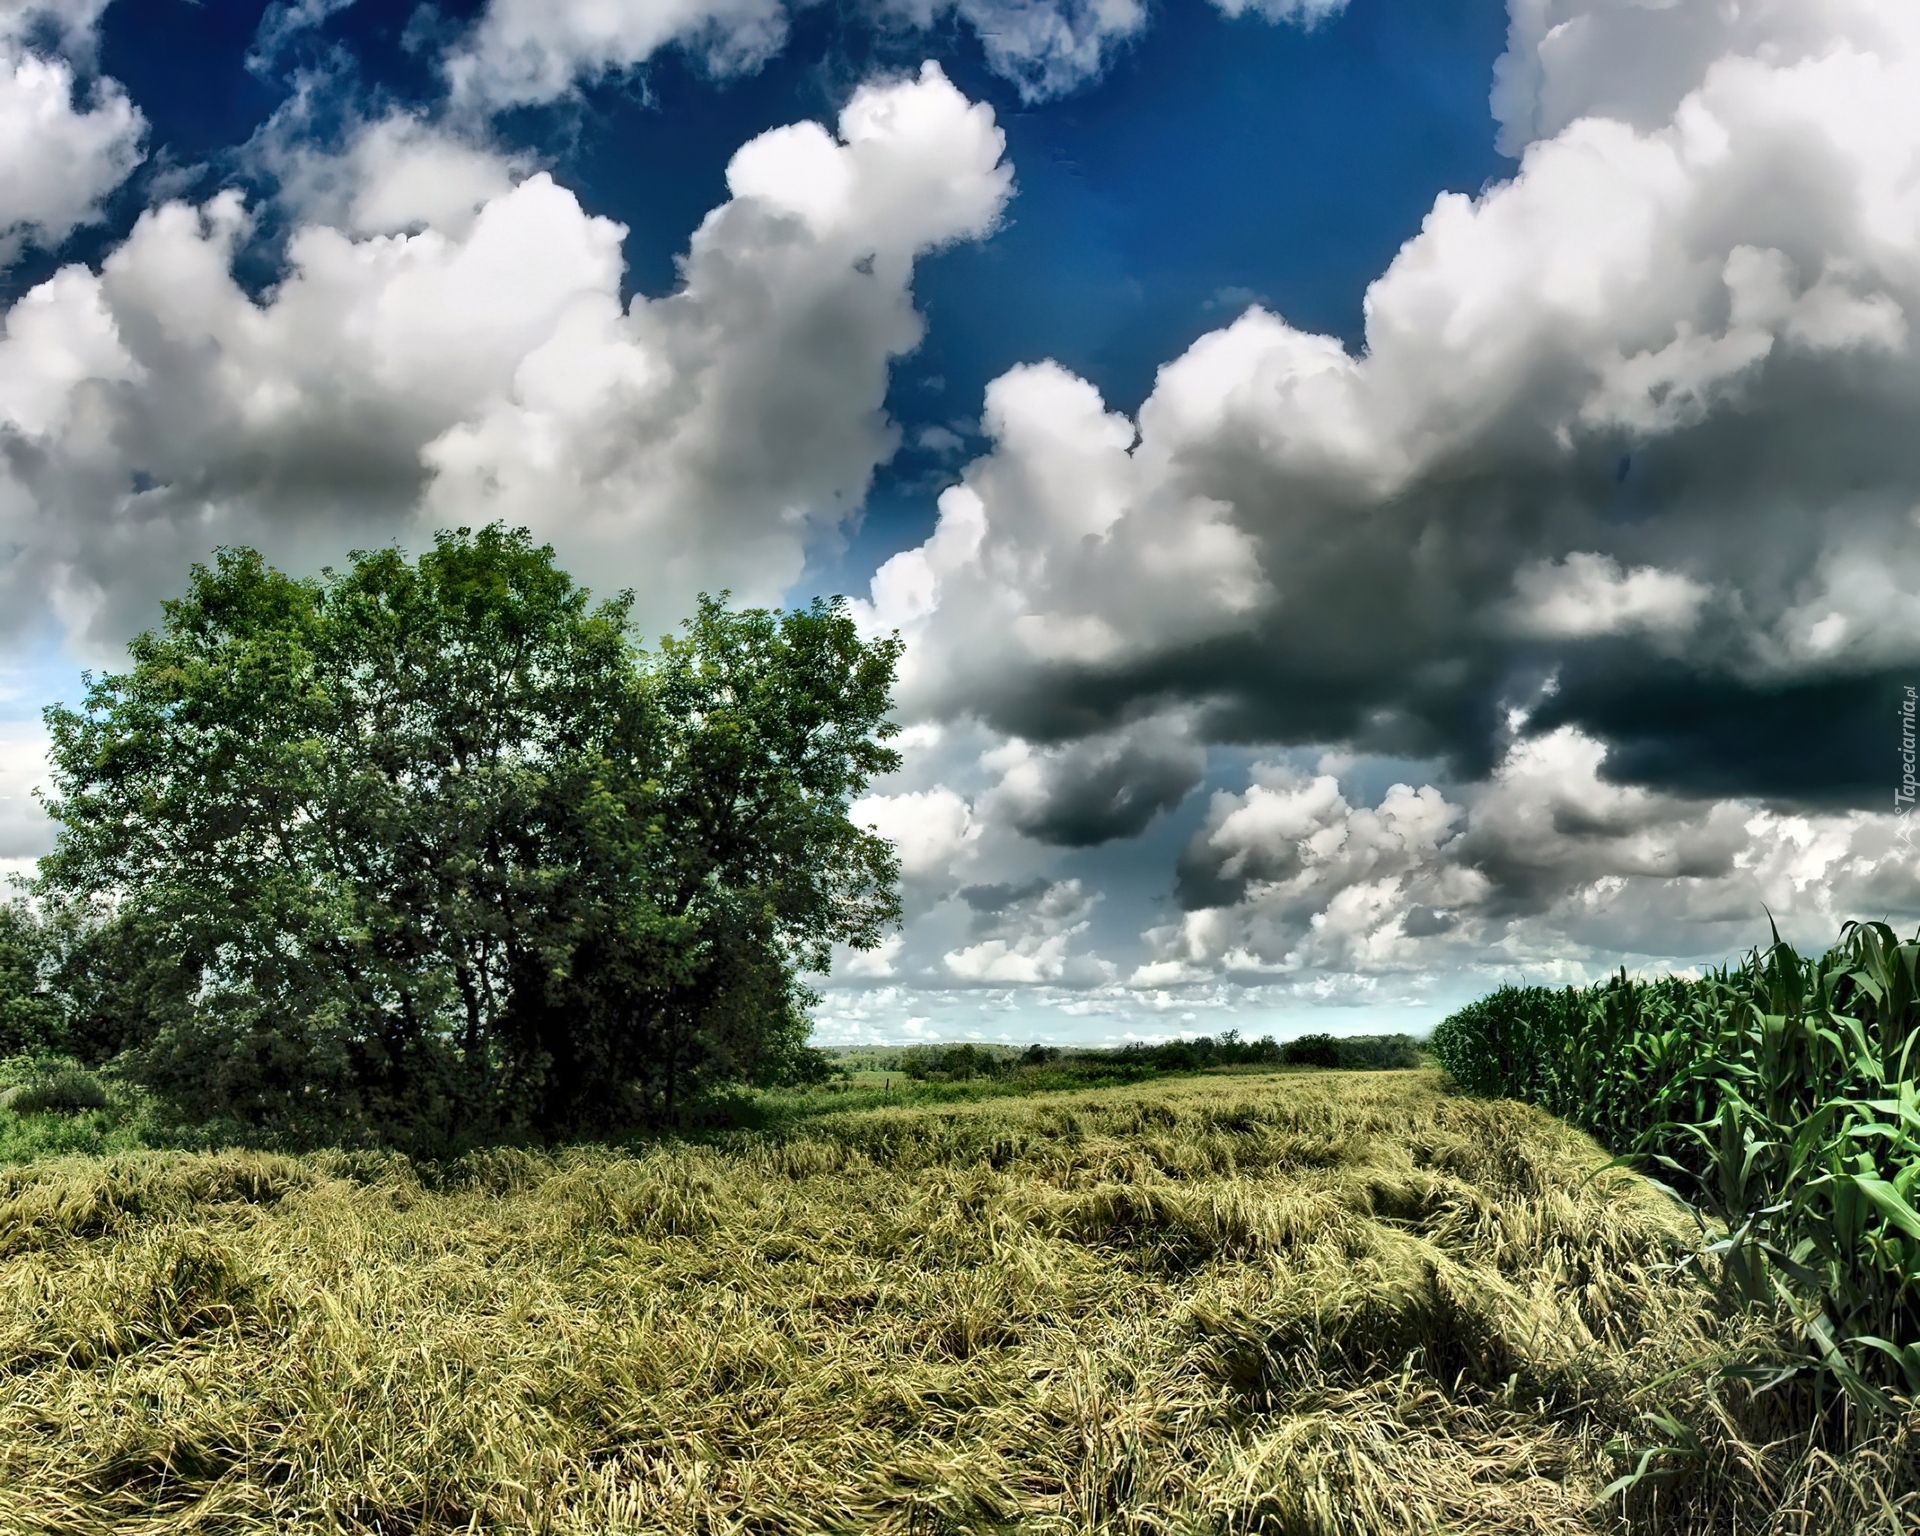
(1777, 1096)
(1319, 1304)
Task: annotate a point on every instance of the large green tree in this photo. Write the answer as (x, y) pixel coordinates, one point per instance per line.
(431, 849)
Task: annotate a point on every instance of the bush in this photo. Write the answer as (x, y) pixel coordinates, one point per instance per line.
(30, 1018)
(65, 1091)
(1179, 1056)
(1311, 1051)
(950, 1063)
(1380, 1053)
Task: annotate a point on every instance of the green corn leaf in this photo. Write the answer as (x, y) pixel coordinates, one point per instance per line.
(1888, 1199)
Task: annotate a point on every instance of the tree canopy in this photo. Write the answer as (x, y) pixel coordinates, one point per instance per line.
(430, 848)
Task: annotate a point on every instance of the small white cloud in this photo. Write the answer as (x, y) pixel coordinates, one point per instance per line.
(1588, 595)
(932, 830)
(281, 23)
(58, 162)
(530, 51)
(939, 440)
(1306, 13)
(871, 963)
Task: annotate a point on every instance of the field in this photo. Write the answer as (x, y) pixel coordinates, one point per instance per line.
(1295, 1302)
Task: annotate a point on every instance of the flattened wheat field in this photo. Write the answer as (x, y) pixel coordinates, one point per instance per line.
(1283, 1301)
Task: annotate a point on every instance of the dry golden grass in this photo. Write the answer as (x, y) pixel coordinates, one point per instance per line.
(1293, 1303)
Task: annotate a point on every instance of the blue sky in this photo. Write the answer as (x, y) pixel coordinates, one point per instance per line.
(1381, 497)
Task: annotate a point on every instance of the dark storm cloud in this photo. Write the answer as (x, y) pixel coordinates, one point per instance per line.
(1101, 787)
(988, 899)
(1674, 561)
(1821, 744)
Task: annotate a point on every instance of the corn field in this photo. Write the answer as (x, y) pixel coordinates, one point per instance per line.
(1778, 1098)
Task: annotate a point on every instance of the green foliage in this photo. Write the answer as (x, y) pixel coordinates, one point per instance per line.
(428, 851)
(1311, 1051)
(30, 1016)
(1779, 1097)
(1380, 1053)
(53, 1104)
(1229, 1050)
(1062, 1066)
(1350, 1053)
(62, 1091)
(953, 1063)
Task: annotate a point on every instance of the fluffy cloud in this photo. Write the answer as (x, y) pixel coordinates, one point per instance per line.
(1635, 61)
(396, 175)
(931, 831)
(1047, 48)
(524, 51)
(1614, 522)
(531, 51)
(1290, 875)
(981, 826)
(25, 833)
(1023, 936)
(1125, 569)
(1098, 788)
(1659, 387)
(1589, 595)
(1543, 864)
(62, 149)
(448, 345)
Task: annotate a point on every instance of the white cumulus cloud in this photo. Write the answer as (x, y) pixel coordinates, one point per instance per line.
(64, 146)
(1588, 595)
(448, 345)
(530, 51)
(525, 51)
(1660, 384)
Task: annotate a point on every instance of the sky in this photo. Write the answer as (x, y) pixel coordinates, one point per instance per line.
(1381, 497)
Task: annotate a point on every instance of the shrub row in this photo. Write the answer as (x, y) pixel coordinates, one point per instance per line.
(959, 1063)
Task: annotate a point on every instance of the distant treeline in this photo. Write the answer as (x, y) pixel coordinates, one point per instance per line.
(966, 1061)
